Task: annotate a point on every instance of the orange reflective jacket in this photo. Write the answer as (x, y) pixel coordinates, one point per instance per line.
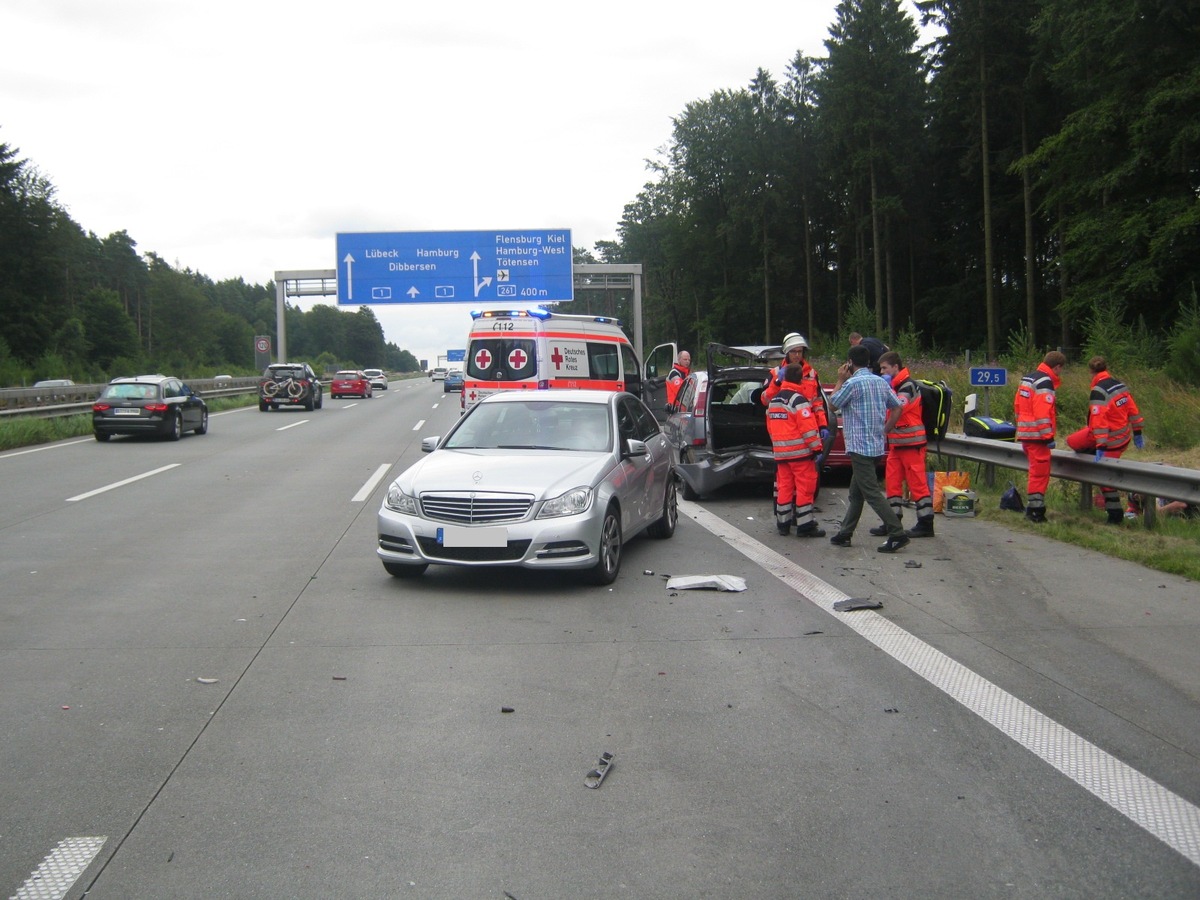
(810, 387)
(1033, 406)
(792, 424)
(910, 427)
(1113, 415)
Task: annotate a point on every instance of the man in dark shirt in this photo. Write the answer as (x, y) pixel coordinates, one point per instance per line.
(874, 346)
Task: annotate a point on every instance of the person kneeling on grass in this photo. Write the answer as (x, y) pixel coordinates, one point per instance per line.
(796, 438)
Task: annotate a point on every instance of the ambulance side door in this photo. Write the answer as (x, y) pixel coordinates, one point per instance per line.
(654, 378)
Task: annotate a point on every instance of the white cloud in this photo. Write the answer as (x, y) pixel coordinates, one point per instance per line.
(238, 138)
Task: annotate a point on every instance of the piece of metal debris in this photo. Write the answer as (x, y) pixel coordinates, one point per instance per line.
(593, 778)
(911, 564)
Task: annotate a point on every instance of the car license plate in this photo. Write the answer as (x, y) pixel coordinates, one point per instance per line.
(456, 536)
(127, 411)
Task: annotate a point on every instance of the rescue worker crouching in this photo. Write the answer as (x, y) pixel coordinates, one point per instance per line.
(1113, 422)
(796, 439)
(906, 451)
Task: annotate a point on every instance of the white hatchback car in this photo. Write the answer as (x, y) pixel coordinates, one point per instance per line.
(524, 479)
(377, 378)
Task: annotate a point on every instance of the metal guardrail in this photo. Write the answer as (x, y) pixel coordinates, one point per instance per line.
(72, 400)
(1152, 480)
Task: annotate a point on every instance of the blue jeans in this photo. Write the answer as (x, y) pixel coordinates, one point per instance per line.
(864, 486)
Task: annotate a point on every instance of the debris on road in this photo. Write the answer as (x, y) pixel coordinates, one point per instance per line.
(857, 603)
(707, 582)
(208, 680)
(597, 775)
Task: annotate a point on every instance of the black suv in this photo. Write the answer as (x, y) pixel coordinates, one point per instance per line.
(289, 384)
(148, 404)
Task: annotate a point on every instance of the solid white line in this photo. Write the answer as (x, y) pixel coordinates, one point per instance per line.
(293, 425)
(367, 489)
(350, 405)
(1166, 815)
(419, 425)
(60, 869)
(118, 484)
(46, 447)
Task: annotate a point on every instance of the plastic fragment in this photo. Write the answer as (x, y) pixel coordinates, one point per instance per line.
(648, 572)
(207, 680)
(339, 677)
(707, 582)
(911, 564)
(506, 709)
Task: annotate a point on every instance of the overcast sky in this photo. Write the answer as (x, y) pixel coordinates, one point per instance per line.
(238, 138)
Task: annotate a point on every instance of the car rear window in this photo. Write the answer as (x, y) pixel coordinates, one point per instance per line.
(502, 359)
(130, 392)
(347, 376)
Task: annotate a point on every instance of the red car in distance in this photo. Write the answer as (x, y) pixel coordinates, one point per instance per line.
(350, 383)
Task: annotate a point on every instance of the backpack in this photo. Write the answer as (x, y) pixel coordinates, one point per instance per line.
(936, 398)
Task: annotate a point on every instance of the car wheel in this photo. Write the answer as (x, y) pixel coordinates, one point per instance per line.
(176, 430)
(665, 527)
(689, 493)
(400, 570)
(264, 406)
(310, 404)
(102, 436)
(335, 396)
(320, 400)
(202, 428)
(609, 552)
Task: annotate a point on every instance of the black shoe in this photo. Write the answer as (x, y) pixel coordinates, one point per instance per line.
(1115, 517)
(923, 528)
(1035, 515)
(785, 530)
(810, 531)
(893, 544)
(840, 540)
(880, 531)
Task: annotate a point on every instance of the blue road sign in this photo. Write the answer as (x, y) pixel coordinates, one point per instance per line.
(456, 355)
(983, 377)
(454, 267)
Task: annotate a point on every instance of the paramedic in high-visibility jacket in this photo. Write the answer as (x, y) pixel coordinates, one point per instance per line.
(1037, 422)
(678, 374)
(795, 352)
(906, 451)
(796, 438)
(1113, 422)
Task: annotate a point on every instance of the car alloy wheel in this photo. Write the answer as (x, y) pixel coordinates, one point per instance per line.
(176, 427)
(608, 564)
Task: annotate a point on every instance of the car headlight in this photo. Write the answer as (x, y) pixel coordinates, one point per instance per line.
(401, 502)
(572, 503)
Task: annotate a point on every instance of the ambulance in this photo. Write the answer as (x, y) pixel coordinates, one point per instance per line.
(539, 350)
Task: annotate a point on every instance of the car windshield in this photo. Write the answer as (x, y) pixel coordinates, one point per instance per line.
(535, 425)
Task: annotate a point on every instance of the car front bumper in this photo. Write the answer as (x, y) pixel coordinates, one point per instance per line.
(568, 542)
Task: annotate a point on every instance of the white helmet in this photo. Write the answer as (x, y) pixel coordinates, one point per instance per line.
(792, 342)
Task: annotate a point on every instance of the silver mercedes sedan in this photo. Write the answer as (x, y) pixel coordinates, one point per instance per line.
(553, 480)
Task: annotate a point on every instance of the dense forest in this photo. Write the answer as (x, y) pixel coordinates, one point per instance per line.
(76, 305)
(1027, 180)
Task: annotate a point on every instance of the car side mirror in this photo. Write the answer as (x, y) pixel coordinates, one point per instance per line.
(634, 447)
(429, 444)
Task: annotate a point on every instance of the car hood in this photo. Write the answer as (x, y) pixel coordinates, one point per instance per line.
(533, 472)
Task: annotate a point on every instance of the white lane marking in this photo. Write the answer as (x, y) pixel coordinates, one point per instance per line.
(419, 425)
(1166, 815)
(45, 447)
(350, 405)
(60, 869)
(117, 484)
(369, 487)
(293, 425)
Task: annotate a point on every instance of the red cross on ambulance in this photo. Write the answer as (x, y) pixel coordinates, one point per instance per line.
(483, 359)
(557, 358)
(517, 359)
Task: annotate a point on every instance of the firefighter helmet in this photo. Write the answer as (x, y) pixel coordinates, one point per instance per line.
(792, 342)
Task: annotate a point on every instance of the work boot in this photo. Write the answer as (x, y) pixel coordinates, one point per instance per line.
(810, 530)
(785, 530)
(1114, 517)
(1035, 514)
(880, 530)
(923, 528)
(840, 540)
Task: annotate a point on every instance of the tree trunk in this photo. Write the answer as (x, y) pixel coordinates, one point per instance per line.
(876, 248)
(988, 252)
(1027, 193)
